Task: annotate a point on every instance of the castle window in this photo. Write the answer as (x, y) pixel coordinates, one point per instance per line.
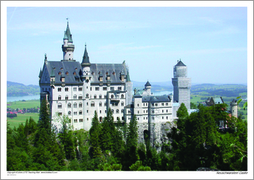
(138, 105)
(75, 89)
(112, 111)
(112, 96)
(100, 111)
(162, 104)
(87, 111)
(166, 110)
(129, 111)
(61, 68)
(87, 103)
(156, 104)
(104, 88)
(92, 104)
(105, 104)
(59, 97)
(75, 105)
(117, 111)
(100, 104)
(96, 88)
(66, 89)
(74, 96)
(80, 120)
(69, 105)
(59, 114)
(80, 88)
(59, 106)
(87, 119)
(75, 120)
(122, 96)
(80, 113)
(105, 96)
(138, 112)
(67, 73)
(59, 89)
(162, 117)
(163, 111)
(91, 88)
(166, 117)
(66, 97)
(100, 96)
(119, 88)
(152, 111)
(122, 103)
(74, 73)
(113, 73)
(69, 112)
(95, 96)
(80, 105)
(75, 113)
(87, 95)
(69, 120)
(59, 73)
(166, 104)
(79, 97)
(111, 88)
(122, 110)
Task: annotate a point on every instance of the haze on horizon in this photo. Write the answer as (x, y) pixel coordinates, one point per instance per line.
(211, 41)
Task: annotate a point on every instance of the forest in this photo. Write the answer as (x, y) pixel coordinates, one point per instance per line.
(195, 142)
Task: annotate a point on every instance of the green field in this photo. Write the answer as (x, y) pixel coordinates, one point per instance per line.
(23, 104)
(21, 118)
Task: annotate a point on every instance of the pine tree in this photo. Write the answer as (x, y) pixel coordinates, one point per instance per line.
(94, 137)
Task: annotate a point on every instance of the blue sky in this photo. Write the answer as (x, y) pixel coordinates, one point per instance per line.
(211, 41)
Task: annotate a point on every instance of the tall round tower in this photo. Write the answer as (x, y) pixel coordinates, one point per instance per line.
(181, 84)
(233, 108)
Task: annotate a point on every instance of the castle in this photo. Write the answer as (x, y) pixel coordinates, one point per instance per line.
(79, 89)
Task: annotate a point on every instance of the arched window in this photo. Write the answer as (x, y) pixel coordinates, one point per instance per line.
(100, 96)
(75, 105)
(122, 103)
(100, 104)
(87, 95)
(80, 105)
(66, 97)
(59, 97)
(69, 105)
(80, 112)
(74, 96)
(69, 112)
(95, 96)
(92, 104)
(122, 96)
(117, 111)
(59, 105)
(112, 96)
(112, 111)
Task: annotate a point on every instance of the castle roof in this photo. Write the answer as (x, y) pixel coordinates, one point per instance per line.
(147, 84)
(85, 60)
(67, 34)
(180, 63)
(104, 70)
(152, 99)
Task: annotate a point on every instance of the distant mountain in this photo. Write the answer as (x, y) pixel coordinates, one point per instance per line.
(18, 89)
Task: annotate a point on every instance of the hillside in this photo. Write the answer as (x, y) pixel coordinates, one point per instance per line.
(224, 90)
(18, 89)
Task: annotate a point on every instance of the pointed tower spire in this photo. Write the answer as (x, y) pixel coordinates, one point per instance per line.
(85, 61)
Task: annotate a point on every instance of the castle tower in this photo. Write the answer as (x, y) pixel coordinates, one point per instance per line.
(182, 84)
(86, 63)
(148, 88)
(68, 46)
(233, 108)
(129, 86)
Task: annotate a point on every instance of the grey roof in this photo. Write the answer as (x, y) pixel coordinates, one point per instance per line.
(65, 69)
(85, 60)
(147, 84)
(112, 70)
(180, 63)
(163, 98)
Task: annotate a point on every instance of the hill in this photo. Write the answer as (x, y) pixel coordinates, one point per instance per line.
(18, 89)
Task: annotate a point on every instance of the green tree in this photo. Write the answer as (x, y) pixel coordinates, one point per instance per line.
(94, 137)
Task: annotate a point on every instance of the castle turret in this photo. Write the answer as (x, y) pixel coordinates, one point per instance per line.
(148, 88)
(233, 108)
(68, 46)
(181, 84)
(129, 86)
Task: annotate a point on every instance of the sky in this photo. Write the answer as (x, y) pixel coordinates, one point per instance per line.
(211, 41)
